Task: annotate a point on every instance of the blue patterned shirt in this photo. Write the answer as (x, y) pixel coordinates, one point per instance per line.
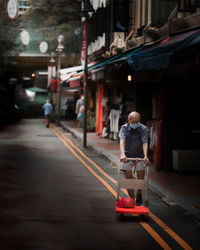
(134, 140)
(47, 108)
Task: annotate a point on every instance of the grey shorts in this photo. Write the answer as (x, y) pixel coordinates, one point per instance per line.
(130, 164)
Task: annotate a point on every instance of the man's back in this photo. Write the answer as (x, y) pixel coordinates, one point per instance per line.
(47, 108)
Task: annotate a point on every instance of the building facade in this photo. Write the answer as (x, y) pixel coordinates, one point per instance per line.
(156, 42)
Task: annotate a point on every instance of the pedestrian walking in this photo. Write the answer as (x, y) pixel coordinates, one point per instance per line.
(134, 144)
(79, 103)
(47, 112)
(80, 110)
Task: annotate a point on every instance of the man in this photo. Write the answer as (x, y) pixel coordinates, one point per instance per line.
(79, 103)
(47, 112)
(134, 144)
(80, 111)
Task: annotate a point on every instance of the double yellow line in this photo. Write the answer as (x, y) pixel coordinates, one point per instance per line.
(70, 145)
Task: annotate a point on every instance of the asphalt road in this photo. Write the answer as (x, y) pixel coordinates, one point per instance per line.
(50, 199)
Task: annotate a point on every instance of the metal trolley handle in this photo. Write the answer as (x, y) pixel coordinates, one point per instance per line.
(146, 180)
(135, 159)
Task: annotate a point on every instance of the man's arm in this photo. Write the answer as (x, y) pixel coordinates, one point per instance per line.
(145, 151)
(122, 151)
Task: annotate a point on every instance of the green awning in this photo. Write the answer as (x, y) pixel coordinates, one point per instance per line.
(37, 90)
(41, 98)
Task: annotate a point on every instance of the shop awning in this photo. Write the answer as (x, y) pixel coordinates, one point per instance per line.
(119, 57)
(71, 90)
(37, 90)
(93, 67)
(159, 56)
(67, 73)
(154, 56)
(66, 77)
(71, 69)
(75, 78)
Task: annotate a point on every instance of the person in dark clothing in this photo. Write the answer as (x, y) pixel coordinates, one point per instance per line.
(134, 144)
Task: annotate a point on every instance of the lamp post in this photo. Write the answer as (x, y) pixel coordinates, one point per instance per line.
(52, 60)
(87, 8)
(59, 49)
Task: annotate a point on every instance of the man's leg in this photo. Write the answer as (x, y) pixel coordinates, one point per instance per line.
(48, 120)
(140, 175)
(129, 176)
(45, 120)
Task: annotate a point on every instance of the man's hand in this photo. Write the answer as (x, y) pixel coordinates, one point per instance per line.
(146, 160)
(138, 159)
(123, 159)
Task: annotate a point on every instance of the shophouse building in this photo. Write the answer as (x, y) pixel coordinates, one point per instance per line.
(144, 55)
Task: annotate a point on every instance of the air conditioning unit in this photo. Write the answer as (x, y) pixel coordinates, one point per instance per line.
(184, 160)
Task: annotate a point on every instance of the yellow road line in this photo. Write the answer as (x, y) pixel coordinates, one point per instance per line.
(91, 161)
(87, 166)
(180, 241)
(150, 230)
(155, 235)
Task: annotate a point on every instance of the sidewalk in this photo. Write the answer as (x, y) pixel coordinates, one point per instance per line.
(174, 188)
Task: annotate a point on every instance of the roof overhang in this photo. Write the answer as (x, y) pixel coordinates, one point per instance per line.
(71, 69)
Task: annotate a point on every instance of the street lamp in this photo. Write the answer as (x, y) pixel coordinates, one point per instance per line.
(59, 49)
(87, 8)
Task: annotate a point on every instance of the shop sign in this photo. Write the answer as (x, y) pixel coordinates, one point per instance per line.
(75, 83)
(84, 41)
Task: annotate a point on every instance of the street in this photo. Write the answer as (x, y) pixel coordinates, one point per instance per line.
(54, 195)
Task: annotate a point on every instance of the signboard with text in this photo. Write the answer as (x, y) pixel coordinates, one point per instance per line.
(84, 41)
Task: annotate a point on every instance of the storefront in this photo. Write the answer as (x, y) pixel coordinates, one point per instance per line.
(166, 87)
(159, 90)
(115, 99)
